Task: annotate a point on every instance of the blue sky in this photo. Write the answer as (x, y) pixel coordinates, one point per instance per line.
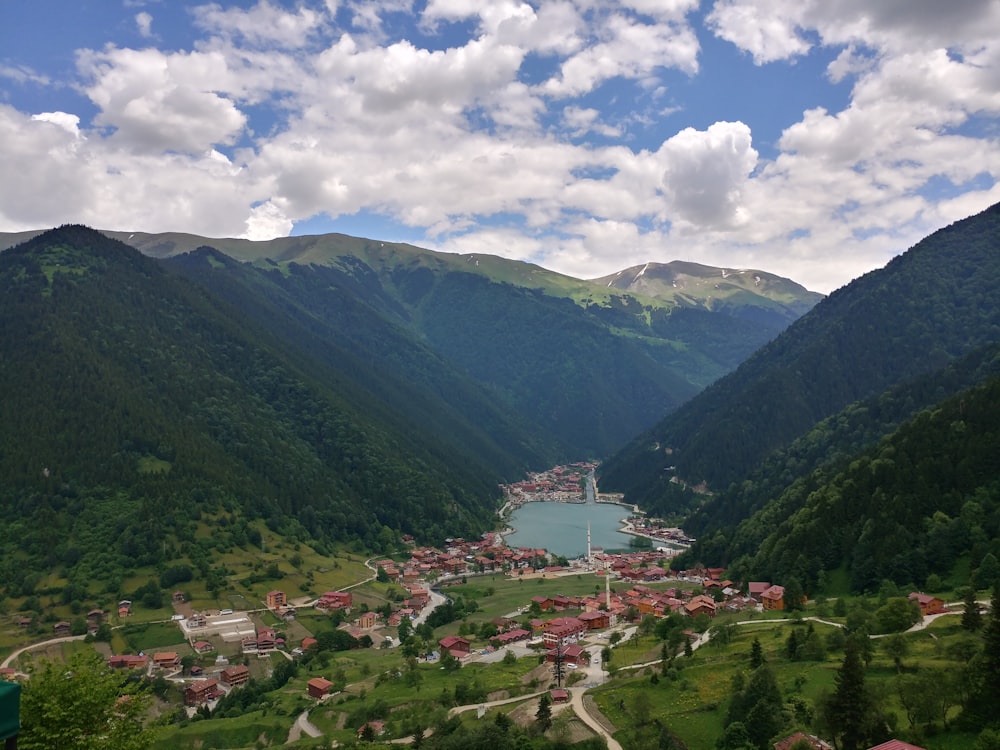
(810, 138)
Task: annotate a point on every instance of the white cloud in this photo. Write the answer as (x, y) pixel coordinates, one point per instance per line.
(768, 32)
(627, 48)
(486, 129)
(262, 25)
(66, 121)
(706, 173)
(144, 23)
(157, 102)
(266, 222)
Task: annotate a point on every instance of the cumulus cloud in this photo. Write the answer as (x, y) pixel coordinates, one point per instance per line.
(262, 25)
(157, 102)
(549, 132)
(706, 172)
(144, 23)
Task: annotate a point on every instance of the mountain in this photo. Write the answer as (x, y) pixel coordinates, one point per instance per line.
(593, 364)
(933, 304)
(742, 293)
(383, 390)
(135, 404)
(922, 499)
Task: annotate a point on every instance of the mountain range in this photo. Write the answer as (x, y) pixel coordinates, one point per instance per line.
(797, 454)
(341, 389)
(351, 390)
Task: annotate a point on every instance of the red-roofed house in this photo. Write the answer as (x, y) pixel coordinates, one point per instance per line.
(896, 745)
(813, 741)
(318, 687)
(756, 588)
(929, 605)
(275, 599)
(455, 644)
(700, 605)
(773, 598)
(335, 600)
(235, 675)
(201, 692)
(128, 661)
(166, 660)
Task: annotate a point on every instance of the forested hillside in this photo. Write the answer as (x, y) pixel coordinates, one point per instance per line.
(925, 497)
(134, 403)
(933, 304)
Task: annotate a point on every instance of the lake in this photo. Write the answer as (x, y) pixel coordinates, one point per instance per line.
(561, 528)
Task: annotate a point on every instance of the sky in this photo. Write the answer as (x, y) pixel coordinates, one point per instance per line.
(815, 139)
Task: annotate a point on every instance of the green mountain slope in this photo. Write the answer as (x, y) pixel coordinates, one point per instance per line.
(591, 364)
(926, 496)
(934, 303)
(134, 402)
(732, 525)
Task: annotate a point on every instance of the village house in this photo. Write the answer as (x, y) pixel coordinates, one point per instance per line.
(128, 661)
(559, 695)
(812, 740)
(896, 745)
(756, 588)
(562, 631)
(509, 637)
(178, 597)
(574, 653)
(367, 620)
(166, 660)
(202, 692)
(773, 598)
(455, 645)
(202, 647)
(317, 687)
(700, 605)
(275, 600)
(334, 600)
(61, 628)
(236, 675)
(929, 605)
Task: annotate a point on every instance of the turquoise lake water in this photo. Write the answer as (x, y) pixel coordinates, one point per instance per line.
(561, 528)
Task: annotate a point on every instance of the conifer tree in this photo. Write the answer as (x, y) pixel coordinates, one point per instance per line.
(972, 620)
(848, 710)
(756, 654)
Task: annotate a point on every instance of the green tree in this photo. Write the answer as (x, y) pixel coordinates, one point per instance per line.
(81, 705)
(543, 716)
(972, 618)
(756, 654)
(850, 712)
(986, 666)
(896, 647)
(897, 614)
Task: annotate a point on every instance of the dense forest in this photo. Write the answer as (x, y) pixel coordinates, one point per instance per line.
(933, 304)
(134, 404)
(382, 391)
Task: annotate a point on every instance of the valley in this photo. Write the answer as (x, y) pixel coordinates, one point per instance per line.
(280, 470)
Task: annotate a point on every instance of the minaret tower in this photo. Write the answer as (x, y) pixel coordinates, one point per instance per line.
(590, 559)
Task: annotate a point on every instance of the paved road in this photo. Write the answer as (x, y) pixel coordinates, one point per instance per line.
(302, 726)
(32, 646)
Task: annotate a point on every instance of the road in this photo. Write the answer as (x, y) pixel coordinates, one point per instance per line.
(302, 726)
(32, 646)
